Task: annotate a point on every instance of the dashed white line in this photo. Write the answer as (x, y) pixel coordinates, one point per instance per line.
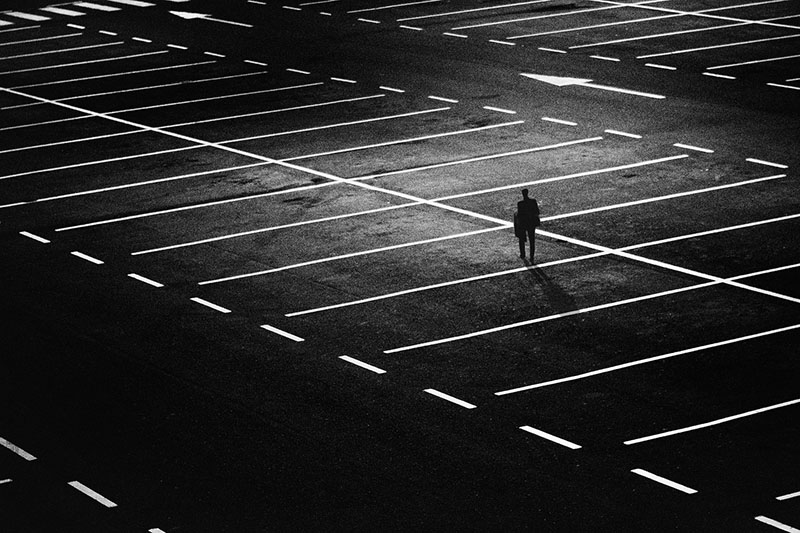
(458, 35)
(499, 110)
(695, 148)
(662, 67)
(282, 333)
(177, 47)
(344, 80)
(412, 28)
(713, 422)
(259, 63)
(17, 450)
(213, 306)
(391, 89)
(362, 364)
(106, 32)
(623, 134)
(552, 438)
(92, 494)
(443, 99)
(86, 257)
(298, 71)
(4, 481)
(506, 43)
(767, 163)
(451, 399)
(34, 237)
(605, 58)
(754, 62)
(214, 54)
(777, 525)
(145, 280)
(369, 21)
(450, 13)
(392, 6)
(559, 121)
(553, 50)
(141, 39)
(715, 75)
(663, 481)
(82, 63)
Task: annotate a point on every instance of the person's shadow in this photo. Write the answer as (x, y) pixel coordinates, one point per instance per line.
(559, 300)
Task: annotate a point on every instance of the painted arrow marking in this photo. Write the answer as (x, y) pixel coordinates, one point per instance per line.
(189, 16)
(559, 81)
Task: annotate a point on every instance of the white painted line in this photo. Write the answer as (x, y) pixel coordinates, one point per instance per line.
(712, 423)
(106, 32)
(26, 41)
(768, 60)
(647, 360)
(4, 481)
(211, 305)
(606, 58)
(87, 257)
(623, 134)
(452, 399)
(34, 237)
(98, 7)
(92, 494)
(282, 333)
(499, 110)
(134, 3)
(548, 436)
(782, 86)
(391, 89)
(663, 481)
(71, 141)
(177, 47)
(559, 121)
(145, 280)
(259, 63)
(6, 23)
(82, 63)
(344, 80)
(715, 75)
(61, 51)
(777, 525)
(141, 39)
(553, 50)
(727, 45)
(788, 496)
(369, 21)
(442, 99)
(695, 148)
(767, 163)
(464, 11)
(297, 71)
(77, 27)
(213, 54)
(62, 11)
(291, 8)
(459, 35)
(25, 16)
(362, 364)
(412, 28)
(394, 6)
(497, 41)
(350, 255)
(16, 449)
(663, 67)
(156, 529)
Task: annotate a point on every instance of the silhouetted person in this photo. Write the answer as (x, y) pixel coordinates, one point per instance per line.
(525, 221)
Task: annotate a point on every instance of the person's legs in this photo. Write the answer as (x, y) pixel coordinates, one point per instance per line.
(532, 238)
(522, 248)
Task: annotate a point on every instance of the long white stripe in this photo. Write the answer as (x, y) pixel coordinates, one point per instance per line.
(591, 27)
(25, 16)
(788, 496)
(463, 11)
(61, 51)
(663, 481)
(713, 422)
(714, 47)
(82, 63)
(211, 305)
(393, 6)
(54, 37)
(92, 494)
(146, 280)
(362, 364)
(34, 237)
(744, 63)
(98, 7)
(134, 3)
(16, 449)
(552, 438)
(62, 11)
(777, 525)
(451, 399)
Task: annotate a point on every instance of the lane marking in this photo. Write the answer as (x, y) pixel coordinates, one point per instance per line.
(86, 257)
(497, 41)
(177, 46)
(663, 481)
(459, 35)
(296, 71)
(282, 333)
(662, 67)
(106, 32)
(92, 494)
(40, 39)
(712, 423)
(98, 7)
(82, 63)
(211, 305)
(605, 58)
(4, 481)
(561, 81)
(463, 11)
(548, 436)
(499, 110)
(393, 6)
(442, 99)
(362, 364)
(344, 80)
(16, 449)
(25, 16)
(412, 28)
(767, 163)
(647, 360)
(727, 45)
(369, 21)
(537, 17)
(451, 399)
(71, 141)
(559, 121)
(134, 3)
(777, 525)
(788, 496)
(730, 65)
(391, 89)
(62, 11)
(34, 27)
(695, 148)
(715, 75)
(782, 86)
(553, 50)
(34, 237)
(145, 280)
(61, 51)
(214, 54)
(623, 134)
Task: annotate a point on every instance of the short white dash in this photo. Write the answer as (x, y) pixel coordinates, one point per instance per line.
(369, 21)
(605, 58)
(87, 257)
(34, 237)
(92, 494)
(788, 496)
(362, 364)
(767, 163)
(211, 305)
(554, 50)
(291, 8)
(777, 525)
(158, 529)
(781, 86)
(548, 436)
(559, 121)
(343, 80)
(715, 75)
(663, 67)
(4, 481)
(17, 450)
(623, 134)
(106, 32)
(497, 41)
(282, 333)
(177, 46)
(499, 110)
(449, 398)
(141, 39)
(412, 28)
(695, 148)
(392, 89)
(442, 99)
(297, 71)
(145, 280)
(259, 63)
(213, 54)
(663, 481)
(459, 35)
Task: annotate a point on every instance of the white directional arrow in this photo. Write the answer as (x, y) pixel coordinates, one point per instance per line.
(563, 82)
(189, 15)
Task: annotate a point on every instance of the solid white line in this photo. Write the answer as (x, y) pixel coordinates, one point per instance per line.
(393, 6)
(344, 80)
(663, 67)
(26, 41)
(82, 63)
(25, 16)
(450, 13)
(4, 481)
(34, 237)
(663, 481)
(728, 45)
(211, 305)
(647, 360)
(16, 449)
(548, 436)
(392, 89)
(362, 364)
(146, 280)
(442, 99)
(452, 399)
(767, 163)
(723, 76)
(605, 58)
(134, 3)
(753, 62)
(61, 51)
(98, 7)
(780, 85)
(554, 50)
(788, 496)
(282, 333)
(559, 121)
(62, 11)
(497, 41)
(695, 148)
(87, 257)
(413, 28)
(92, 494)
(459, 35)
(499, 110)
(623, 134)
(350, 255)
(712, 423)
(777, 525)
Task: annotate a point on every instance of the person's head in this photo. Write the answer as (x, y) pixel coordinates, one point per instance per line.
(524, 193)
